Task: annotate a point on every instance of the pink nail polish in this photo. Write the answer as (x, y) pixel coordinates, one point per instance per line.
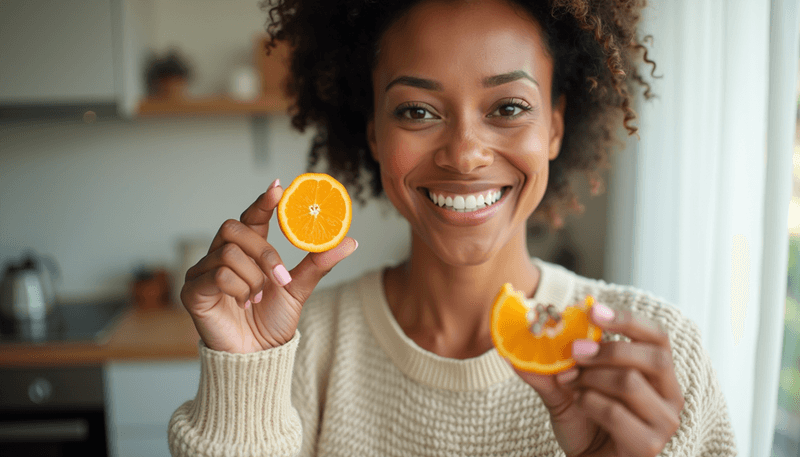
(275, 183)
(281, 275)
(247, 304)
(257, 298)
(356, 244)
(602, 313)
(584, 348)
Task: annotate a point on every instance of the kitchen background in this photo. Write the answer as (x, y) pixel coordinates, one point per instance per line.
(106, 197)
(113, 185)
(119, 184)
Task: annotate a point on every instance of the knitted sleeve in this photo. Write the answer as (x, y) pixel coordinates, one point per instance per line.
(714, 424)
(243, 406)
(705, 428)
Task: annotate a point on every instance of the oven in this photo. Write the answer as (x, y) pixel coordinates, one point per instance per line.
(52, 412)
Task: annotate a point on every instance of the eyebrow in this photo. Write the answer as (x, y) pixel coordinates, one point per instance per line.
(491, 81)
(497, 80)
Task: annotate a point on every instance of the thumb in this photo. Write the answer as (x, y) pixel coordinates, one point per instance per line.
(307, 274)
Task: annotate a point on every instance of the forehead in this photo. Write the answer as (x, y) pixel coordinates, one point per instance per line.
(462, 39)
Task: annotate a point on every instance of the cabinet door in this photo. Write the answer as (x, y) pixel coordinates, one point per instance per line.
(55, 51)
(140, 399)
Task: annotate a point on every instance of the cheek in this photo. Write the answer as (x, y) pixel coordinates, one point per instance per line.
(531, 158)
(530, 153)
(398, 157)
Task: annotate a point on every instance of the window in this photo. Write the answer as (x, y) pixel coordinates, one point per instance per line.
(787, 424)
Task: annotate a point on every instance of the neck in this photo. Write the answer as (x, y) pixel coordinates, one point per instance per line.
(445, 308)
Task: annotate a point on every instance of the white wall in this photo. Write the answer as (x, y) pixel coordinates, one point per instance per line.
(104, 198)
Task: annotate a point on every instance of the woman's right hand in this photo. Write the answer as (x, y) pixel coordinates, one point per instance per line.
(240, 295)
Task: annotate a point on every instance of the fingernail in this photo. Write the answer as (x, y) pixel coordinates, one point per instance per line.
(281, 275)
(275, 183)
(602, 313)
(567, 376)
(356, 244)
(584, 348)
(257, 298)
(247, 304)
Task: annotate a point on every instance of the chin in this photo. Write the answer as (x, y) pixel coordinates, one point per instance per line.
(465, 255)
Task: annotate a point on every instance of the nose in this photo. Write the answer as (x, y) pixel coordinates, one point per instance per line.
(464, 151)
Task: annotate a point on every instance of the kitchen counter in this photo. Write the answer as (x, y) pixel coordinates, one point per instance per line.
(164, 334)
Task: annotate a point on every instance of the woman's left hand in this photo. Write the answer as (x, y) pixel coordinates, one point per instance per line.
(622, 398)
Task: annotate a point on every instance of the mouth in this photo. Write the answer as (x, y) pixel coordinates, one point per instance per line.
(466, 203)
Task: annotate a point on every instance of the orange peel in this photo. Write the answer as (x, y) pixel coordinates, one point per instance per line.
(548, 351)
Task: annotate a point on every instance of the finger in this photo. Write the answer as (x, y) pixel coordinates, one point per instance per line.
(555, 396)
(631, 436)
(654, 362)
(259, 213)
(232, 256)
(307, 274)
(256, 247)
(212, 282)
(630, 388)
(634, 326)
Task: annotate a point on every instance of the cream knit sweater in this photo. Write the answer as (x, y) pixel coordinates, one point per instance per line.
(356, 385)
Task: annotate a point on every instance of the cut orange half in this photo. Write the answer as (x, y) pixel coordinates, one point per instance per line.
(548, 352)
(315, 212)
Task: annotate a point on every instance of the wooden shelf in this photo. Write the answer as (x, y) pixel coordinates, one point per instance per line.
(269, 103)
(272, 70)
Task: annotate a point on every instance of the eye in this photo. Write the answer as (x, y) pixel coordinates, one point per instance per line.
(413, 112)
(511, 109)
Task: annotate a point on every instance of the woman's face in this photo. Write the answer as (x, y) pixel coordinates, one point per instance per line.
(463, 113)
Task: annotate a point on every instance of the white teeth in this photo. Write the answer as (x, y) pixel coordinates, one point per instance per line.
(470, 202)
(465, 204)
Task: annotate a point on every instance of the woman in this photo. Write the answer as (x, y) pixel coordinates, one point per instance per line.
(467, 98)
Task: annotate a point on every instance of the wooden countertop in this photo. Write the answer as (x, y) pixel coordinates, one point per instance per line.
(154, 335)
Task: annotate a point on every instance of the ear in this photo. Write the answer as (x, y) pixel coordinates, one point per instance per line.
(371, 142)
(557, 126)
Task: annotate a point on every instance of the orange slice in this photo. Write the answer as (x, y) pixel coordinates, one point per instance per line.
(550, 351)
(315, 212)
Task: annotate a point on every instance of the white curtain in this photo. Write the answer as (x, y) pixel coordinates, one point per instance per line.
(699, 206)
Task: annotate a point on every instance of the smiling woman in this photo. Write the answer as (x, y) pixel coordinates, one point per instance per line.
(468, 116)
(594, 49)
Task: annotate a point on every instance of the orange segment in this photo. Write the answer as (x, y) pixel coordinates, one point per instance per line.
(315, 212)
(547, 353)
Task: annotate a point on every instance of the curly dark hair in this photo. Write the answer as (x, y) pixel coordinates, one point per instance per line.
(593, 43)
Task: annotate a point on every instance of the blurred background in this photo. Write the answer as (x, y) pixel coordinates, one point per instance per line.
(129, 131)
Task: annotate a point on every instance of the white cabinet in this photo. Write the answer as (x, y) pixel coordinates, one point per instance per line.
(81, 52)
(140, 399)
(56, 51)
